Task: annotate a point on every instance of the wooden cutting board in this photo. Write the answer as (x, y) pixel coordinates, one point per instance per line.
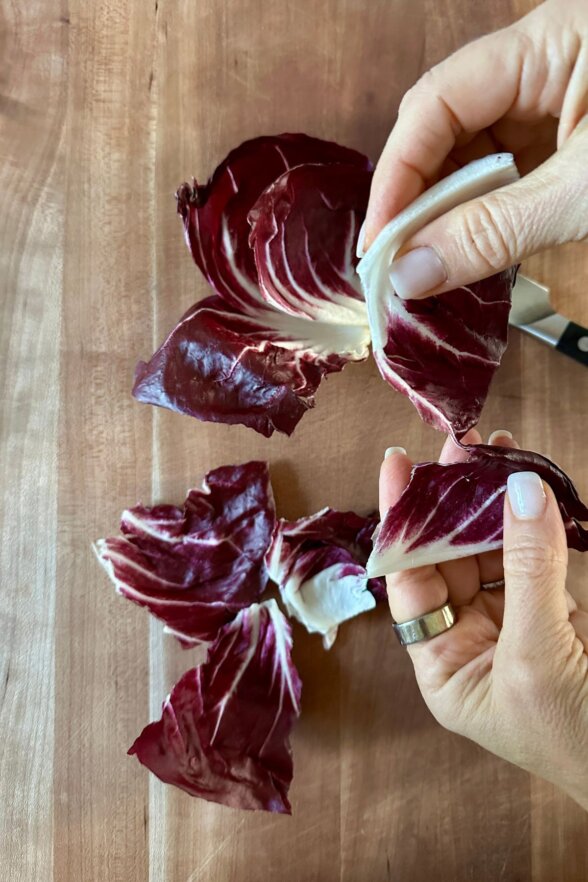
(105, 107)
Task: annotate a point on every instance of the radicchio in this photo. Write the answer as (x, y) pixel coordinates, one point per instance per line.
(224, 730)
(242, 357)
(197, 566)
(442, 351)
(222, 366)
(319, 565)
(303, 233)
(455, 510)
(215, 215)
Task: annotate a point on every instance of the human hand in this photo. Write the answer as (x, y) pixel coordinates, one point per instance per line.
(522, 90)
(512, 673)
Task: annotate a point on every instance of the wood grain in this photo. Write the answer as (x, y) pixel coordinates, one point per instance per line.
(32, 100)
(104, 108)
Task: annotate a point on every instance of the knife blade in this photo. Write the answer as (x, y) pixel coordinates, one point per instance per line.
(532, 313)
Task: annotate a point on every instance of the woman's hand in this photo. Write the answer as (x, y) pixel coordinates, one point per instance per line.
(523, 90)
(512, 673)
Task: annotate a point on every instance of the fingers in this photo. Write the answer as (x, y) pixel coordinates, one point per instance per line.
(490, 563)
(529, 75)
(394, 475)
(489, 234)
(452, 452)
(490, 568)
(417, 591)
(535, 566)
(575, 105)
(502, 438)
(413, 592)
(442, 105)
(464, 576)
(579, 621)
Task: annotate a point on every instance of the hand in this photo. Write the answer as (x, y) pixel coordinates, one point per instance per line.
(523, 90)
(512, 673)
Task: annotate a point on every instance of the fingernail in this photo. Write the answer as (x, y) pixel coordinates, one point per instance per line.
(359, 248)
(499, 433)
(391, 450)
(417, 272)
(526, 495)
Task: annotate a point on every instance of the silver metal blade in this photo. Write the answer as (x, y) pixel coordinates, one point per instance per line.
(530, 302)
(532, 312)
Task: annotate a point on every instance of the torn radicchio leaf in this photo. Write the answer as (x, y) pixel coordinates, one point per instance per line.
(319, 564)
(455, 510)
(197, 566)
(256, 357)
(442, 351)
(222, 366)
(225, 728)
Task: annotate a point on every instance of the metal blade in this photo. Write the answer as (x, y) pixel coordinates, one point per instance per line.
(530, 302)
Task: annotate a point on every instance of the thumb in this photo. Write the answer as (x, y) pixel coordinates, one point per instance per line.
(487, 235)
(535, 566)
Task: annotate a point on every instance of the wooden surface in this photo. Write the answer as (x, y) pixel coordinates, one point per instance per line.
(105, 107)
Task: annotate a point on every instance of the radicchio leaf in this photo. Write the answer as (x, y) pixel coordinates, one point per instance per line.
(215, 214)
(441, 352)
(234, 358)
(455, 510)
(319, 564)
(197, 566)
(304, 229)
(222, 366)
(224, 730)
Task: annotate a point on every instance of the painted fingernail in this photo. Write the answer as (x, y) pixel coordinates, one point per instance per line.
(417, 272)
(526, 495)
(499, 433)
(391, 450)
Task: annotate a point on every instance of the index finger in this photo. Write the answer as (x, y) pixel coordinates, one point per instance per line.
(465, 93)
(411, 593)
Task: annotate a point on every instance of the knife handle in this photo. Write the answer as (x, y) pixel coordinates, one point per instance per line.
(574, 342)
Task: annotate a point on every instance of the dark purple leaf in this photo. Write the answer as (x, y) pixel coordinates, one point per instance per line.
(224, 730)
(442, 351)
(319, 565)
(215, 214)
(221, 366)
(195, 567)
(455, 510)
(304, 230)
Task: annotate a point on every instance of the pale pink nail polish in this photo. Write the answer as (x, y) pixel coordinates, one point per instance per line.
(526, 495)
(417, 272)
(499, 433)
(391, 450)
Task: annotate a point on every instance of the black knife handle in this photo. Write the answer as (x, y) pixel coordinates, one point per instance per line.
(574, 342)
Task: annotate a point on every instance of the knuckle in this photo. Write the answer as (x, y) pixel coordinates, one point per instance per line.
(422, 89)
(423, 84)
(407, 99)
(523, 40)
(532, 558)
(489, 235)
